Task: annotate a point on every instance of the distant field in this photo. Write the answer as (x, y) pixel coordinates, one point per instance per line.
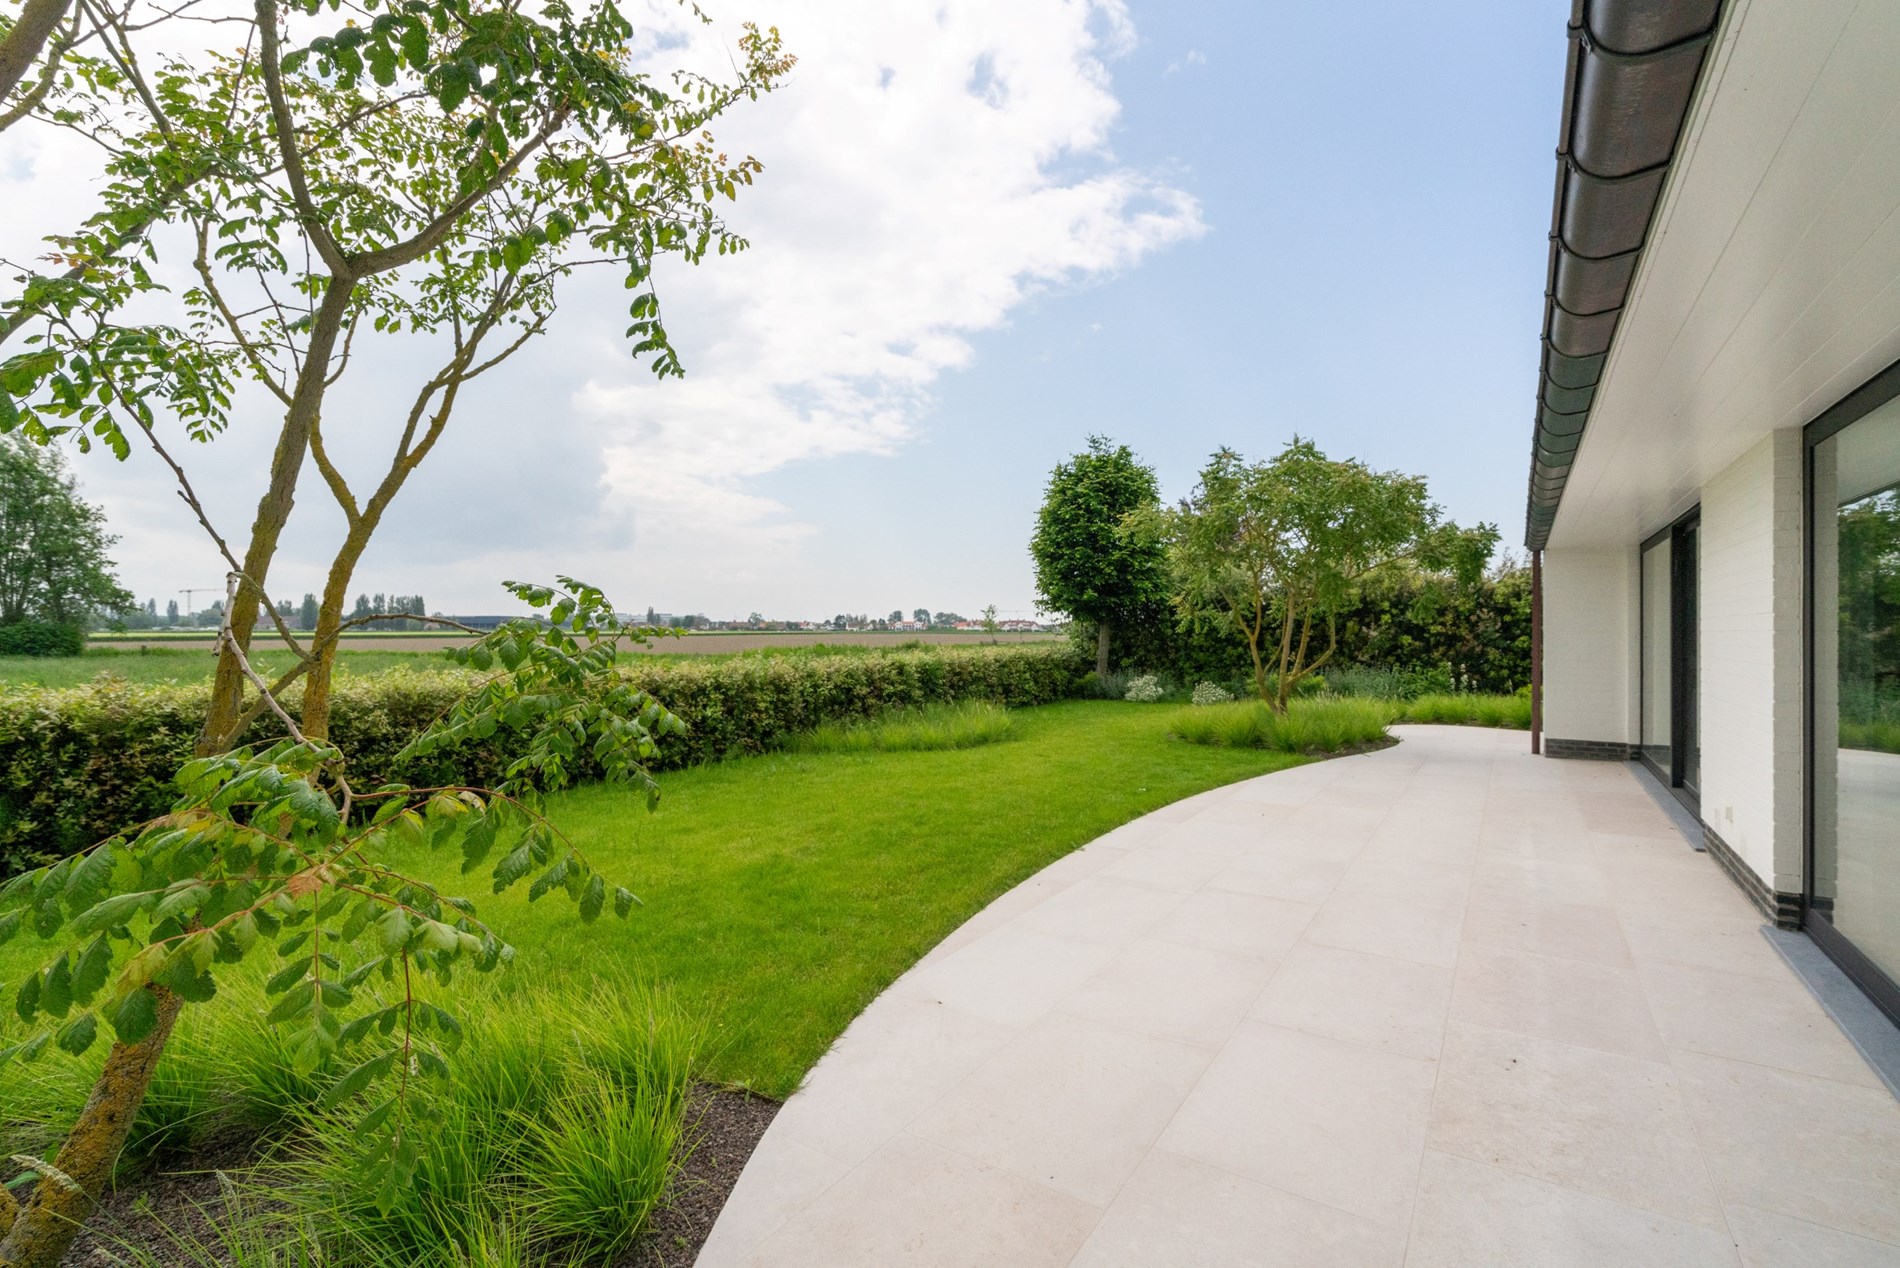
(182, 664)
(716, 643)
(187, 658)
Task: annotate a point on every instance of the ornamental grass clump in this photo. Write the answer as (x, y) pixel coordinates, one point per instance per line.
(930, 729)
(1508, 712)
(1307, 726)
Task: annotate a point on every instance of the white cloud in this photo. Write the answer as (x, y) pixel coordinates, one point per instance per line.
(910, 198)
(928, 169)
(1193, 57)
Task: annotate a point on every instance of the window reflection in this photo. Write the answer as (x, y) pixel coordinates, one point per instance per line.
(1856, 578)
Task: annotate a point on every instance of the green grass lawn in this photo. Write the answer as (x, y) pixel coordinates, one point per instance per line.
(183, 664)
(782, 893)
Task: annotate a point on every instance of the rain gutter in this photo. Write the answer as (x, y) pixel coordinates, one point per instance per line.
(1632, 73)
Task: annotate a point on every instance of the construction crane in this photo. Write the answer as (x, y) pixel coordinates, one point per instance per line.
(191, 608)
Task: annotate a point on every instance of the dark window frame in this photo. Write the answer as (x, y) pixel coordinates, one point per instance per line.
(1837, 418)
(1681, 656)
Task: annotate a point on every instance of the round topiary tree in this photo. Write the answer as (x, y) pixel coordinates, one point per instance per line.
(1086, 564)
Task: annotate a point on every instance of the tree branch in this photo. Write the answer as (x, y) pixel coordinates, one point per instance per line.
(21, 46)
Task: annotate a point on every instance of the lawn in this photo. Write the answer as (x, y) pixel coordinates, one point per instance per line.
(182, 664)
(782, 893)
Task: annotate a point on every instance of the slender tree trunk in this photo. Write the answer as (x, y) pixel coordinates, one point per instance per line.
(23, 42)
(45, 1225)
(273, 512)
(1101, 649)
(315, 716)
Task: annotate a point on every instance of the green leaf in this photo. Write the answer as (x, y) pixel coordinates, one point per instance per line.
(355, 1080)
(136, 1016)
(108, 913)
(77, 1035)
(56, 988)
(623, 901)
(593, 898)
(26, 1001)
(287, 977)
(89, 974)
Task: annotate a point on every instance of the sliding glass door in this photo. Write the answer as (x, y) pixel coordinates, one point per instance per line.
(1853, 883)
(1670, 745)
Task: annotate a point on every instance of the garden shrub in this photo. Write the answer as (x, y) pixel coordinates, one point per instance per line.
(1211, 693)
(41, 638)
(1145, 690)
(1477, 636)
(79, 763)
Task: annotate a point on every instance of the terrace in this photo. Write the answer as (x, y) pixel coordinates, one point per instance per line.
(1446, 1003)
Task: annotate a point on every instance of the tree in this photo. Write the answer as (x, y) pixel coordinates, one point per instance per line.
(1086, 565)
(921, 615)
(1274, 549)
(435, 173)
(307, 612)
(53, 544)
(171, 612)
(897, 616)
(989, 621)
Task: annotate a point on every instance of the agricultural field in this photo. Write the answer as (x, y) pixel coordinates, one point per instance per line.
(185, 664)
(709, 643)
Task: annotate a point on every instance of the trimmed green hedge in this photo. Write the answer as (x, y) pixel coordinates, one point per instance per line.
(41, 638)
(78, 763)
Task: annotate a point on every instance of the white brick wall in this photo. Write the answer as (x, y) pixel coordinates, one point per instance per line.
(1750, 658)
(1590, 644)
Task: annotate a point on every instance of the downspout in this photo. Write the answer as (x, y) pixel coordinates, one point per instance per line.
(1537, 652)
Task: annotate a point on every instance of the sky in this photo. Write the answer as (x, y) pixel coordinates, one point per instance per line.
(986, 230)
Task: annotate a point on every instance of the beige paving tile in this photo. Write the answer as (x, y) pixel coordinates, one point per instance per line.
(1237, 924)
(1326, 1120)
(1471, 1215)
(1071, 1103)
(1704, 940)
(1237, 813)
(922, 1206)
(1764, 1020)
(1009, 975)
(1031, 893)
(1113, 913)
(1172, 991)
(1604, 1124)
(1405, 928)
(1177, 867)
(1179, 1213)
(1815, 1149)
(1396, 1006)
(1768, 1240)
(1400, 875)
(1577, 931)
(889, 1066)
(1299, 875)
(780, 1180)
(1224, 839)
(1564, 879)
(1576, 1001)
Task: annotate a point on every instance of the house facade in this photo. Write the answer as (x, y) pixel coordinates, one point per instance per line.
(1715, 488)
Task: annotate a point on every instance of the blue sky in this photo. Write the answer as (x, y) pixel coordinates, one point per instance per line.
(1376, 189)
(986, 229)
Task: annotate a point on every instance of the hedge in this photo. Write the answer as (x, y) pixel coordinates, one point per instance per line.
(1477, 636)
(41, 638)
(79, 763)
